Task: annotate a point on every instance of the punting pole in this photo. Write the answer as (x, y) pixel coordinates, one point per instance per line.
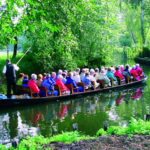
(23, 56)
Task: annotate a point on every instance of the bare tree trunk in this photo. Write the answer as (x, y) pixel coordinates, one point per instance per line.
(15, 47)
(133, 38)
(142, 28)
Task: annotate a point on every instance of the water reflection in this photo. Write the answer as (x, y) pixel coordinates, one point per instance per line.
(86, 114)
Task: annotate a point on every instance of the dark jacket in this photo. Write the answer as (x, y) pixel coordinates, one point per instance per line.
(10, 72)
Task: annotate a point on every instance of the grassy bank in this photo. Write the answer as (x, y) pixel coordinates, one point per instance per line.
(38, 142)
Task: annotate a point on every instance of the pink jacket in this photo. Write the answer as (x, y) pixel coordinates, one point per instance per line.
(134, 73)
(139, 71)
(61, 85)
(118, 74)
(33, 86)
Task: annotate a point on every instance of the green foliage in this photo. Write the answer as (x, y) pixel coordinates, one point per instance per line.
(135, 127)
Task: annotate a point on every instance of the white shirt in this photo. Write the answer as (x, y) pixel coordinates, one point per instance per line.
(5, 69)
(76, 78)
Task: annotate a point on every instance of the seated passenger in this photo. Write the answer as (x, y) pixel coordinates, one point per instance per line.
(134, 73)
(32, 84)
(110, 74)
(92, 78)
(25, 81)
(118, 74)
(96, 73)
(103, 76)
(63, 88)
(49, 86)
(64, 80)
(39, 80)
(53, 78)
(71, 81)
(76, 76)
(82, 75)
(126, 71)
(139, 70)
(86, 81)
(20, 80)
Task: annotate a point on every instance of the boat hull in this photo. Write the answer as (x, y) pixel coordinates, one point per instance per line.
(17, 102)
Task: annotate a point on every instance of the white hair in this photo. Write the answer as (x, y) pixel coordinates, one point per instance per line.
(60, 71)
(34, 76)
(92, 71)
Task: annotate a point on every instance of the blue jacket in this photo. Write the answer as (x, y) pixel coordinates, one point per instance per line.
(70, 81)
(86, 81)
(48, 84)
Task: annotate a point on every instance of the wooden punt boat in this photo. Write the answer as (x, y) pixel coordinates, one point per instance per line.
(34, 100)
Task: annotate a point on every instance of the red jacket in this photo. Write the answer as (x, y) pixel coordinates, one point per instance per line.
(134, 73)
(61, 85)
(33, 86)
(118, 74)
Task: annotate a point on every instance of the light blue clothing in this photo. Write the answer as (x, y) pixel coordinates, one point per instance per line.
(82, 77)
(86, 81)
(64, 80)
(111, 75)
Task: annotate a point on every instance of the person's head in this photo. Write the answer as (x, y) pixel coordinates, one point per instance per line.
(40, 76)
(33, 76)
(71, 75)
(21, 75)
(44, 74)
(60, 71)
(8, 61)
(26, 76)
(109, 69)
(137, 65)
(83, 70)
(92, 72)
(127, 67)
(60, 77)
(65, 71)
(117, 68)
(102, 70)
(87, 74)
(48, 76)
(64, 75)
(133, 67)
(54, 75)
(96, 70)
(78, 70)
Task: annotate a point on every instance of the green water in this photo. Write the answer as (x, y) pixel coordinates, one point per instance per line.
(86, 113)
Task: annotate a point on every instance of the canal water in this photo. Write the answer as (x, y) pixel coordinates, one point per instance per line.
(86, 113)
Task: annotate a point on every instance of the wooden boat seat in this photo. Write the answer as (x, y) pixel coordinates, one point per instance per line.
(57, 87)
(102, 83)
(22, 90)
(70, 86)
(45, 90)
(121, 82)
(82, 85)
(94, 87)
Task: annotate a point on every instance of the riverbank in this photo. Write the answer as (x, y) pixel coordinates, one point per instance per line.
(134, 136)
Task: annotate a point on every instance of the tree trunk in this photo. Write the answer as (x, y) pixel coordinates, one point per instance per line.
(142, 28)
(133, 38)
(15, 47)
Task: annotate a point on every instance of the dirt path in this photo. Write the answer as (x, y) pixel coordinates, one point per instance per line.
(137, 142)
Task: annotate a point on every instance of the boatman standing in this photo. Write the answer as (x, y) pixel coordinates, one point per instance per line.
(9, 71)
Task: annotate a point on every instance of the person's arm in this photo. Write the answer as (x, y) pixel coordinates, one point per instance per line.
(3, 73)
(16, 67)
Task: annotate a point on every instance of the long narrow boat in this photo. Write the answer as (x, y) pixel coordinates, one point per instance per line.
(20, 101)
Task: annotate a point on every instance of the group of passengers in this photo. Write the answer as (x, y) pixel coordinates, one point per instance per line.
(62, 78)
